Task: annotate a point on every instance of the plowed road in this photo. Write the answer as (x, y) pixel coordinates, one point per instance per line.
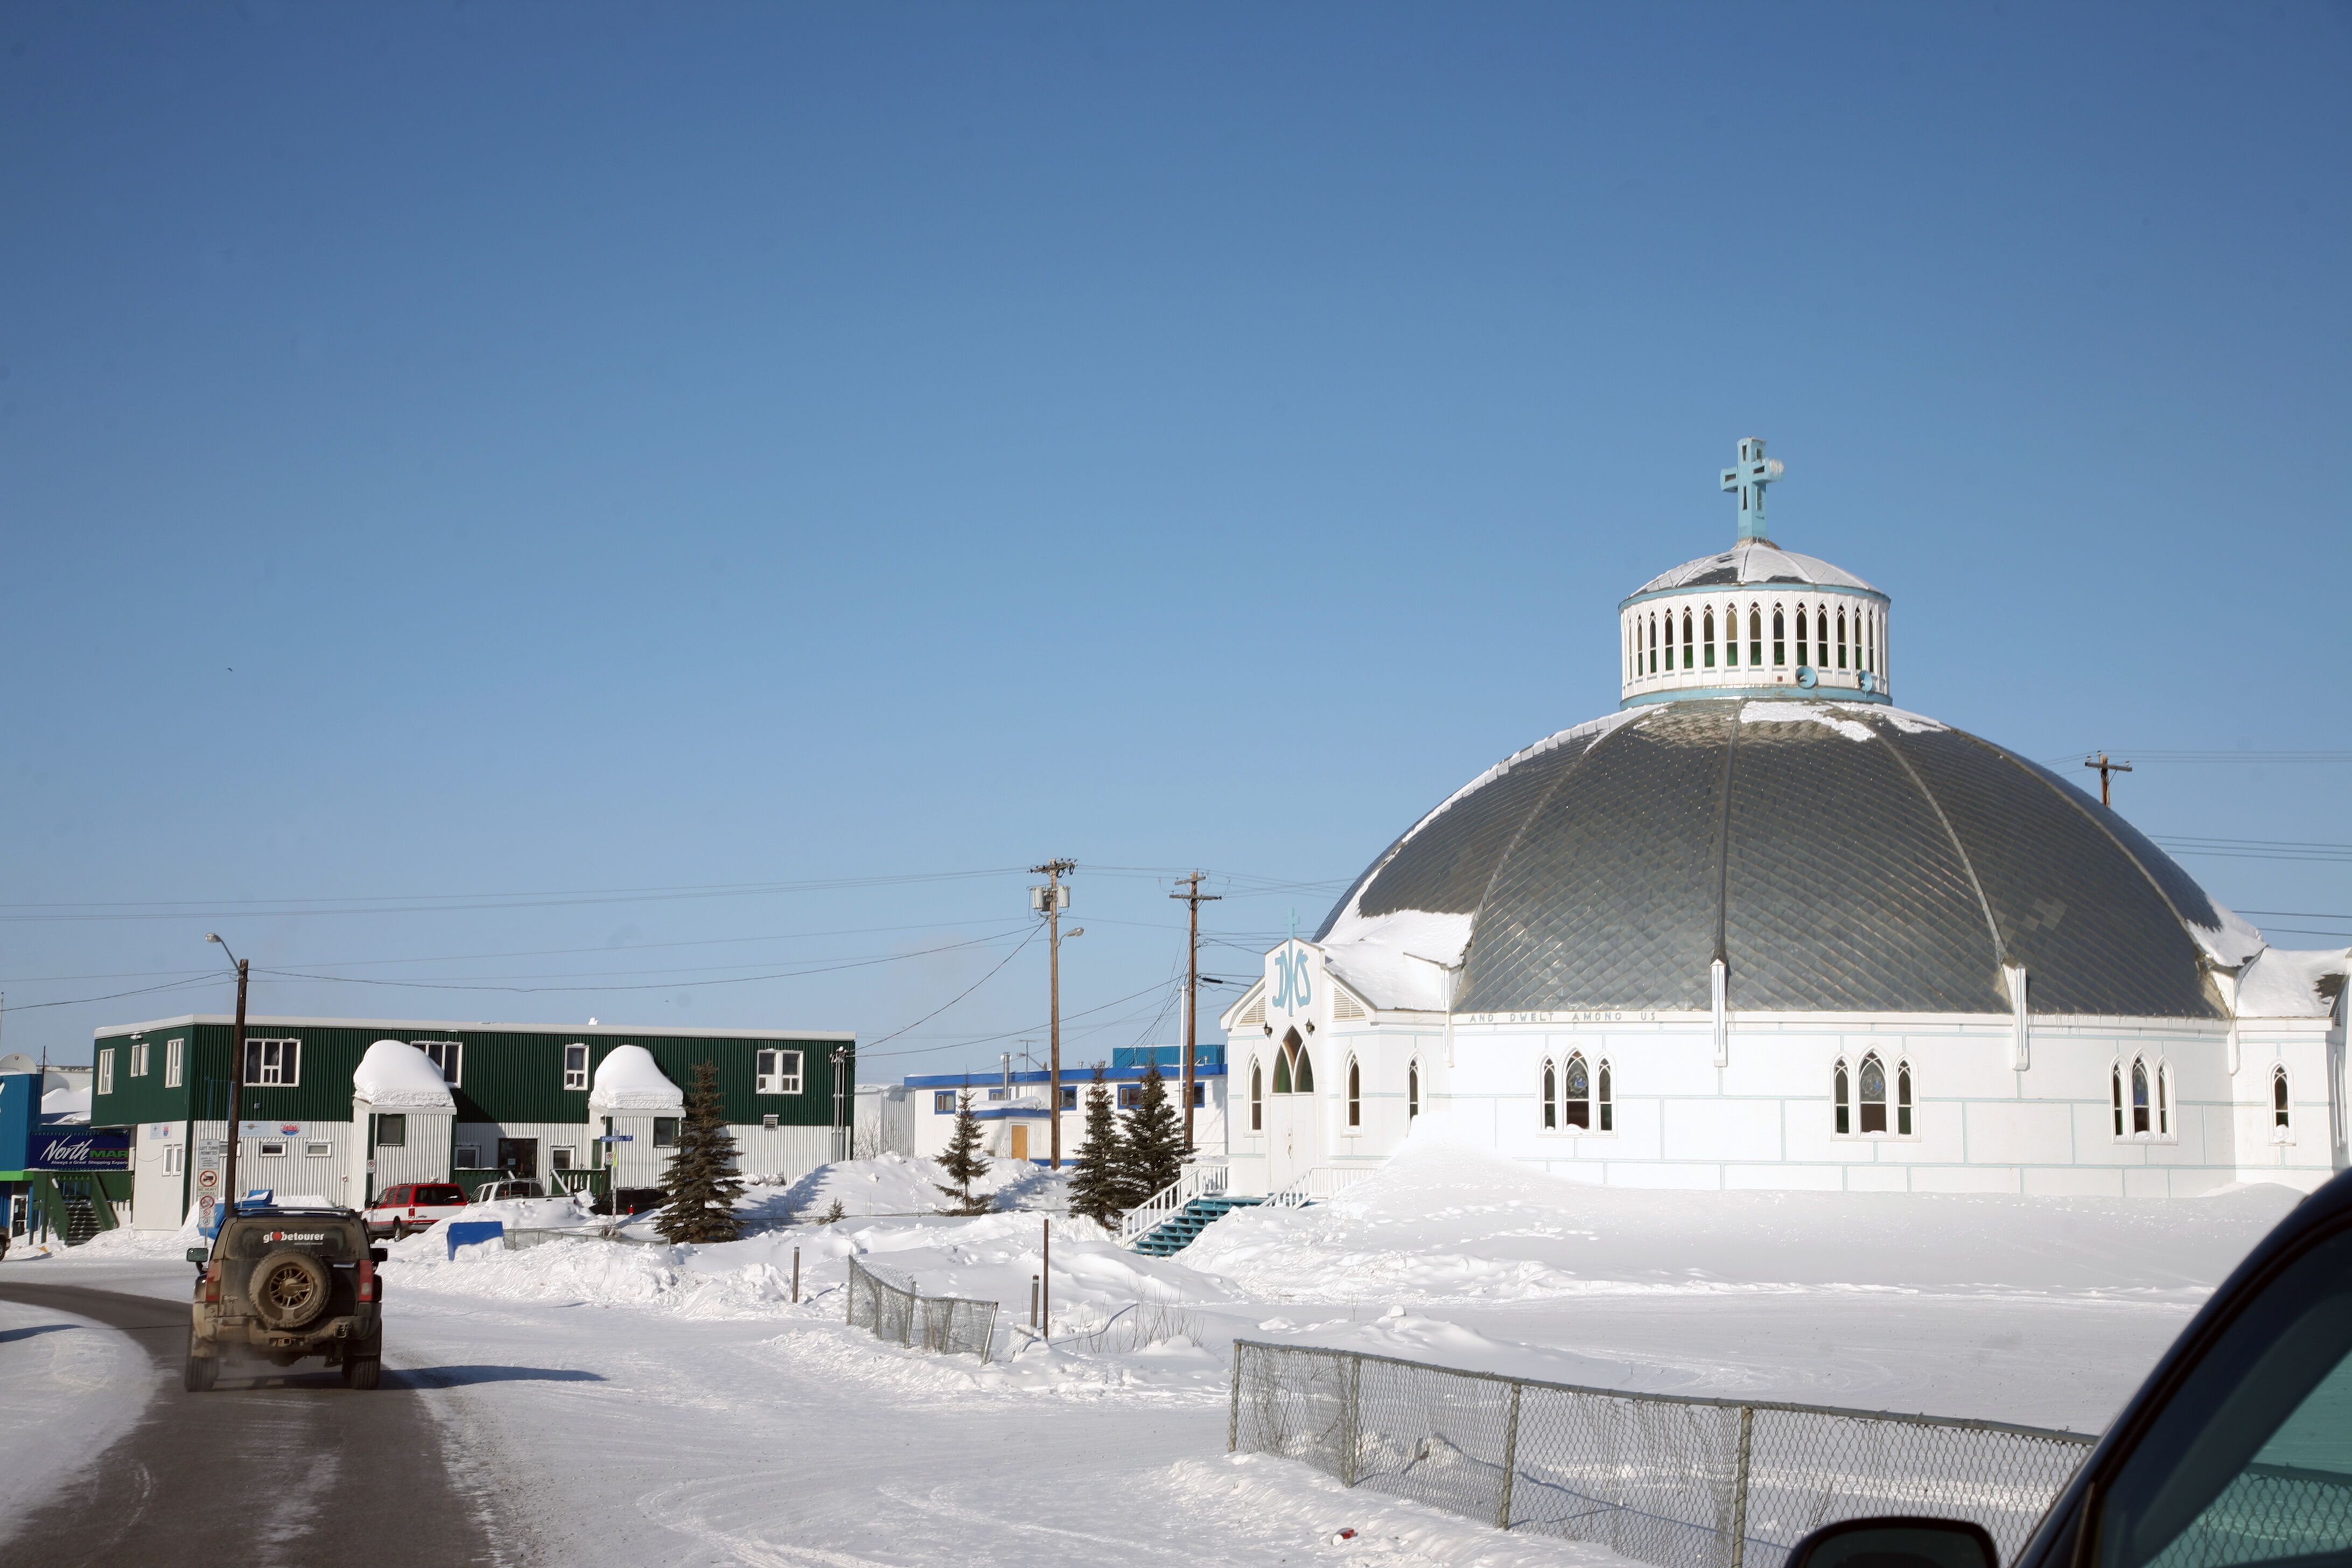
(286, 1467)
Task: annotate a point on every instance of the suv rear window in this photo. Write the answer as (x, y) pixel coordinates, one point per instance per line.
(328, 1238)
(439, 1194)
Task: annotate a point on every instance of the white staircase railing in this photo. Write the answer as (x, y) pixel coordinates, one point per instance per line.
(1319, 1184)
(1202, 1179)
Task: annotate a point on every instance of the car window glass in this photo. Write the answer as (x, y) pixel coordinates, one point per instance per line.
(439, 1195)
(2249, 1460)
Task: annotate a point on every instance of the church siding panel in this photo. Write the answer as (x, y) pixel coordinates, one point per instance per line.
(1830, 905)
(1598, 906)
(1965, 1179)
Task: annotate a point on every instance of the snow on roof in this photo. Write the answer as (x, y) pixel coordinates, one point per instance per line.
(395, 1072)
(630, 1079)
(1752, 561)
(1401, 959)
(2234, 941)
(2289, 983)
(66, 1104)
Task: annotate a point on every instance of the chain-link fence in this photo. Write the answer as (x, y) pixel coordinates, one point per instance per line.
(896, 1312)
(1677, 1482)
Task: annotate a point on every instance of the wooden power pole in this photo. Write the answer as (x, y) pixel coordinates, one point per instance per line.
(235, 1080)
(1193, 898)
(1050, 901)
(2107, 768)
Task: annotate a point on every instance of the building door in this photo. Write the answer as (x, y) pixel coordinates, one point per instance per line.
(1293, 1115)
(518, 1156)
(1020, 1141)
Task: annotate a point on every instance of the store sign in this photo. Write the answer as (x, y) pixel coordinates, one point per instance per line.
(269, 1129)
(80, 1151)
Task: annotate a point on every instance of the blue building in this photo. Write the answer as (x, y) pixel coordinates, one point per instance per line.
(1010, 1104)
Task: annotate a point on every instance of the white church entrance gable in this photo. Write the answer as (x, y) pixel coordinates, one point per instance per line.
(1292, 1059)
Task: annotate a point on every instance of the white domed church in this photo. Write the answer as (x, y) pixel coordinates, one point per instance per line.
(1761, 928)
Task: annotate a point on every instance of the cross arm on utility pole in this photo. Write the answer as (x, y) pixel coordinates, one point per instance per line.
(2107, 768)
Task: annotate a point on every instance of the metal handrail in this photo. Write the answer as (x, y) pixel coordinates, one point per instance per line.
(1202, 1179)
(1319, 1184)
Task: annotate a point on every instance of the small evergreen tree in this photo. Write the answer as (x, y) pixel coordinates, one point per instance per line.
(701, 1179)
(1099, 1189)
(1154, 1142)
(963, 1163)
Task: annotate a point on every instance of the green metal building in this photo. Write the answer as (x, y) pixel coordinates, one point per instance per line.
(521, 1098)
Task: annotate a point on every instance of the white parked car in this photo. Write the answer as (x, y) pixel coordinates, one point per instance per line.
(413, 1206)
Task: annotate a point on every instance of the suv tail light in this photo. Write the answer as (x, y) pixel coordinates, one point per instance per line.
(367, 1279)
(212, 1283)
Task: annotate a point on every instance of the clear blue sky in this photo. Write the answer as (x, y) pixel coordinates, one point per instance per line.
(562, 449)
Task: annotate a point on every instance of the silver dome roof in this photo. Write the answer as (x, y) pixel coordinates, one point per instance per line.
(1841, 856)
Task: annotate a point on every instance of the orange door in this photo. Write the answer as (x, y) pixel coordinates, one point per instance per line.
(1020, 1141)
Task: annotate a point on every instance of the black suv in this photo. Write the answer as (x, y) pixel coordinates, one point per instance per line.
(279, 1284)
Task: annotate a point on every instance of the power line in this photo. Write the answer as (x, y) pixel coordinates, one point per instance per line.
(959, 996)
(2256, 849)
(657, 985)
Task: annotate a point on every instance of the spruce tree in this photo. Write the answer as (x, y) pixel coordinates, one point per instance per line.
(1098, 1180)
(963, 1163)
(701, 1179)
(1154, 1143)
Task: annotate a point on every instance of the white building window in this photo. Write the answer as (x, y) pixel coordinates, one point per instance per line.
(943, 1103)
(665, 1132)
(1576, 1107)
(1411, 1090)
(1355, 1093)
(1865, 1104)
(780, 1073)
(1257, 1097)
(1604, 1103)
(446, 1055)
(470, 1156)
(176, 1055)
(561, 1156)
(273, 1063)
(391, 1130)
(769, 1120)
(175, 1159)
(575, 1067)
(318, 1149)
(1550, 1096)
(2140, 1094)
(138, 1058)
(2282, 1105)
(106, 1071)
(271, 1149)
(1841, 1087)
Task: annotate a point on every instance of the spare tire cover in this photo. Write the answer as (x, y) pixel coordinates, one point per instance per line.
(290, 1288)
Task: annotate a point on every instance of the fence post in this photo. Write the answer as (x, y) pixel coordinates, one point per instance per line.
(1740, 1487)
(1510, 1461)
(1350, 1415)
(1233, 1415)
(849, 1297)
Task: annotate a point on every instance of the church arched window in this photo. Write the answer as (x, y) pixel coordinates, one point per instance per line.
(1355, 1093)
(2140, 1097)
(1411, 1090)
(2281, 1102)
(1903, 1099)
(1686, 640)
(1653, 644)
(1871, 1081)
(1841, 637)
(2116, 1088)
(1708, 642)
(1257, 1097)
(2164, 1099)
(1821, 637)
(1576, 1109)
(1801, 633)
(1779, 638)
(1841, 1097)
(1550, 1096)
(1603, 1102)
(1293, 1070)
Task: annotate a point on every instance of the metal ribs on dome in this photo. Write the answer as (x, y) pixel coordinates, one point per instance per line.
(1842, 858)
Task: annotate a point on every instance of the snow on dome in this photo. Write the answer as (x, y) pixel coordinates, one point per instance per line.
(630, 1079)
(395, 1072)
(1754, 561)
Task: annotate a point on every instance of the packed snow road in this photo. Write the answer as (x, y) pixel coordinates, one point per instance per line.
(291, 1469)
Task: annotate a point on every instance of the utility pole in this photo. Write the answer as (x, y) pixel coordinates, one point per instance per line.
(2107, 768)
(1193, 898)
(1050, 901)
(235, 1081)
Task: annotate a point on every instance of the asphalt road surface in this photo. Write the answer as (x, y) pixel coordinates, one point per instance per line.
(275, 1467)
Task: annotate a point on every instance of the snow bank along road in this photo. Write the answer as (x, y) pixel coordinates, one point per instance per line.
(292, 1470)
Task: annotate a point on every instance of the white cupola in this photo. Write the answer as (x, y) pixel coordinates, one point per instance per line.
(1754, 621)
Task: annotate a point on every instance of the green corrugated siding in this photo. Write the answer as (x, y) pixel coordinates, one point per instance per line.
(506, 1075)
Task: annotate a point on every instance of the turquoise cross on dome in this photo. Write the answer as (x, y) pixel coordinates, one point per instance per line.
(1754, 472)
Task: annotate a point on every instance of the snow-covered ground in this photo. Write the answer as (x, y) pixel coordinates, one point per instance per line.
(673, 1404)
(67, 1387)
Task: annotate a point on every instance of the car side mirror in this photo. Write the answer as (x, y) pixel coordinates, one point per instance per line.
(377, 1255)
(200, 1255)
(1896, 1541)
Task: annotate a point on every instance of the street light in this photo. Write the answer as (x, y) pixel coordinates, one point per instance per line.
(235, 1080)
